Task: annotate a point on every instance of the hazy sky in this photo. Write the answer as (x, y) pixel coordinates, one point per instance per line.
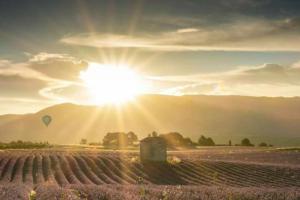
(213, 47)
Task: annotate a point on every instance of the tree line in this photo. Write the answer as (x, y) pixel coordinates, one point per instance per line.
(24, 145)
(173, 139)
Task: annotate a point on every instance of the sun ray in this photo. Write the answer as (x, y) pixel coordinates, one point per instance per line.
(84, 130)
(150, 118)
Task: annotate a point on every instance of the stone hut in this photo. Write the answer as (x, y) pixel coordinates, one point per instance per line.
(153, 149)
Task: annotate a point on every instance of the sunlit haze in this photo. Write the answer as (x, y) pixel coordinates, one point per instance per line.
(108, 83)
(150, 99)
(110, 52)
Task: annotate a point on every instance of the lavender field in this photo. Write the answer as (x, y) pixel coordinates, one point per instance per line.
(218, 173)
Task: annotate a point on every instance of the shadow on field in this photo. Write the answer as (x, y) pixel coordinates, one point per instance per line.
(162, 173)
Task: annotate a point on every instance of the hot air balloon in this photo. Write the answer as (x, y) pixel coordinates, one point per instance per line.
(47, 120)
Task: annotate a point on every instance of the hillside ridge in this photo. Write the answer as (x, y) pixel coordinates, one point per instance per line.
(271, 119)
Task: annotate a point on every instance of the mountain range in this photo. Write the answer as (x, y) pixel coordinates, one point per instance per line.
(272, 120)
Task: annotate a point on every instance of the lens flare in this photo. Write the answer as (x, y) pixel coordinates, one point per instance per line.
(108, 83)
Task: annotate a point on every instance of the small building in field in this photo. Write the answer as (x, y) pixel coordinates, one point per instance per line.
(153, 149)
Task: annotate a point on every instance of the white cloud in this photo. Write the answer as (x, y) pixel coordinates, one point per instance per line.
(241, 35)
(43, 56)
(192, 89)
(187, 30)
(21, 69)
(39, 78)
(265, 80)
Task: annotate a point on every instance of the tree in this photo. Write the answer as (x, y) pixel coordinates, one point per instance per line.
(119, 139)
(203, 141)
(246, 142)
(188, 141)
(210, 142)
(263, 144)
(154, 134)
(83, 141)
(131, 137)
(175, 139)
(229, 143)
(115, 139)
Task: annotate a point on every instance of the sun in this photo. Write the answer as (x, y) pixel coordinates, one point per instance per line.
(109, 83)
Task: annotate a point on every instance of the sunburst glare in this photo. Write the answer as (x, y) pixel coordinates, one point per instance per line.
(110, 83)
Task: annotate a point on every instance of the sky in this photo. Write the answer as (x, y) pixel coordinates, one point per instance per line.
(190, 47)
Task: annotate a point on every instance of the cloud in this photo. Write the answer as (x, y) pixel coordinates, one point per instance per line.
(63, 70)
(15, 86)
(75, 93)
(57, 66)
(266, 74)
(44, 79)
(9, 68)
(244, 3)
(187, 30)
(240, 35)
(192, 89)
(21, 86)
(265, 80)
(43, 56)
(40, 78)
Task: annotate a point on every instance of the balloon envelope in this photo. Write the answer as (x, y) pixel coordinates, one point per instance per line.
(47, 119)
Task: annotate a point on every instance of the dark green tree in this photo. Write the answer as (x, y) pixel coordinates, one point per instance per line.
(263, 144)
(246, 142)
(203, 141)
(210, 142)
(175, 139)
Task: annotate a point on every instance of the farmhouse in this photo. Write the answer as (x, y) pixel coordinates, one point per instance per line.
(153, 149)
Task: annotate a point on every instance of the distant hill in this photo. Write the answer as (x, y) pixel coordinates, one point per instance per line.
(273, 120)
